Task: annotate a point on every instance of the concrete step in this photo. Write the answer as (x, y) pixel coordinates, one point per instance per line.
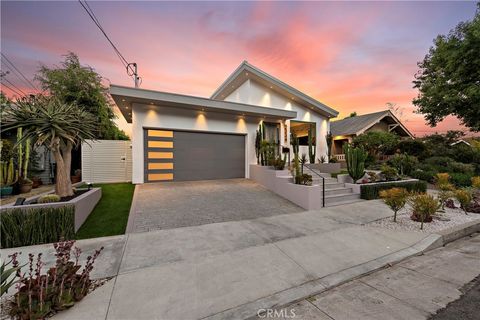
(339, 203)
(340, 197)
(335, 191)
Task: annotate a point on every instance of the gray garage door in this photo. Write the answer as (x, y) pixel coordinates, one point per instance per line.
(187, 156)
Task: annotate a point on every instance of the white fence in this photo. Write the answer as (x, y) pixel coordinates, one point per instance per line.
(106, 161)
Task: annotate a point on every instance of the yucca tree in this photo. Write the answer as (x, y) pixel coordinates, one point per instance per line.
(58, 126)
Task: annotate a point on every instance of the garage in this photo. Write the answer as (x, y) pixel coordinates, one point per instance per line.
(175, 155)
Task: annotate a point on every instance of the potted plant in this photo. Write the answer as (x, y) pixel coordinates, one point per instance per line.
(77, 177)
(8, 177)
(25, 185)
(37, 182)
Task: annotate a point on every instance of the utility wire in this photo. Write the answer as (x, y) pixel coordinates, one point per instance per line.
(18, 73)
(14, 86)
(91, 14)
(11, 89)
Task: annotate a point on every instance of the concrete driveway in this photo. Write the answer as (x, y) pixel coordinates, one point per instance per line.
(171, 205)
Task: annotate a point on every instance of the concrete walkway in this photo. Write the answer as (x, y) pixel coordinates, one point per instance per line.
(413, 289)
(231, 269)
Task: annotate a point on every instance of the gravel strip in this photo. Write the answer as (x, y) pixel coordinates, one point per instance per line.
(441, 221)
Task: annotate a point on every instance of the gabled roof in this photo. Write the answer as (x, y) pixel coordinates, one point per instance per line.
(359, 124)
(247, 71)
(125, 97)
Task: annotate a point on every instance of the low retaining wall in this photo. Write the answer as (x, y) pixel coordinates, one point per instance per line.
(278, 181)
(326, 167)
(357, 186)
(84, 205)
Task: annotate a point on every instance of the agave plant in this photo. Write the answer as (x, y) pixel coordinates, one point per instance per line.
(58, 126)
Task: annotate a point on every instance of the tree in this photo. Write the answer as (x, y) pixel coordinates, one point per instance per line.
(59, 126)
(74, 84)
(352, 114)
(376, 142)
(449, 77)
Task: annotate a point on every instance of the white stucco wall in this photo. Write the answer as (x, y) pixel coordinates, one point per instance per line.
(145, 116)
(254, 93)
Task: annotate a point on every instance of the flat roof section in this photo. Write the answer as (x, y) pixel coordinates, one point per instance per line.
(124, 97)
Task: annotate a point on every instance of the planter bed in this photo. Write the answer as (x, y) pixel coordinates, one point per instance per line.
(369, 191)
(441, 221)
(84, 203)
(281, 182)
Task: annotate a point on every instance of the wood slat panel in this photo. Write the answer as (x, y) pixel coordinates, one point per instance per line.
(160, 155)
(160, 133)
(159, 166)
(160, 176)
(160, 144)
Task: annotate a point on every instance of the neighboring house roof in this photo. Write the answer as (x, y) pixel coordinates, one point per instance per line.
(460, 141)
(247, 71)
(124, 97)
(358, 124)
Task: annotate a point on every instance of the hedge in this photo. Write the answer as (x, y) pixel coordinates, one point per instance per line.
(370, 191)
(25, 227)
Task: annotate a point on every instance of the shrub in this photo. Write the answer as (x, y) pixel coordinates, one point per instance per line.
(371, 191)
(460, 179)
(26, 227)
(278, 163)
(390, 173)
(461, 168)
(423, 175)
(413, 147)
(442, 179)
(304, 179)
(403, 163)
(40, 295)
(424, 207)
(476, 182)
(48, 198)
(439, 161)
(464, 197)
(395, 198)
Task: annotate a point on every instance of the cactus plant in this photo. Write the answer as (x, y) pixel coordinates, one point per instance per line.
(258, 142)
(355, 158)
(8, 174)
(23, 150)
(312, 149)
(296, 161)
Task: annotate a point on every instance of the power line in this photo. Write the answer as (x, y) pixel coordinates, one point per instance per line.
(130, 67)
(11, 89)
(3, 78)
(18, 73)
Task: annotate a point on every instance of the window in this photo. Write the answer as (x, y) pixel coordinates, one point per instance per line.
(301, 128)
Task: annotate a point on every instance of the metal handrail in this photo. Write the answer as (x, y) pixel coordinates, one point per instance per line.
(323, 183)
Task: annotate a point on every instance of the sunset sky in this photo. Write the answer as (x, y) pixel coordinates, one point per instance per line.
(353, 56)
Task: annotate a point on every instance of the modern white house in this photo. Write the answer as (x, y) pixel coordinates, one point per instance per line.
(179, 137)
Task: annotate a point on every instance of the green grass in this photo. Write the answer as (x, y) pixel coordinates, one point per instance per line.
(110, 216)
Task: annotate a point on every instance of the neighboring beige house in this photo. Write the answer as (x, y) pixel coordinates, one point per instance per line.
(345, 130)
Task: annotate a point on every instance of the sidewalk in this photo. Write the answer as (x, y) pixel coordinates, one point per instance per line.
(229, 270)
(413, 289)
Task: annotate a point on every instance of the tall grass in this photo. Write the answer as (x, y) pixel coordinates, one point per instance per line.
(24, 227)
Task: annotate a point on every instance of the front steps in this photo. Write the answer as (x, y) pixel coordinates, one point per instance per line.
(335, 192)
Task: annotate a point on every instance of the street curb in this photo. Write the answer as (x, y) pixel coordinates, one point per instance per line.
(314, 287)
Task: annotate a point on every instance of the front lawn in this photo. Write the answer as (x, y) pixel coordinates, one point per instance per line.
(110, 216)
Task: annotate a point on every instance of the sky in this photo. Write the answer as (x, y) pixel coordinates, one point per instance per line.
(352, 56)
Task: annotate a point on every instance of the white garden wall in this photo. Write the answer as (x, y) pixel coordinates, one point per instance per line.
(106, 161)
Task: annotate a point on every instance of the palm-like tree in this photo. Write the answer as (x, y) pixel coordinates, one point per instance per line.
(58, 126)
